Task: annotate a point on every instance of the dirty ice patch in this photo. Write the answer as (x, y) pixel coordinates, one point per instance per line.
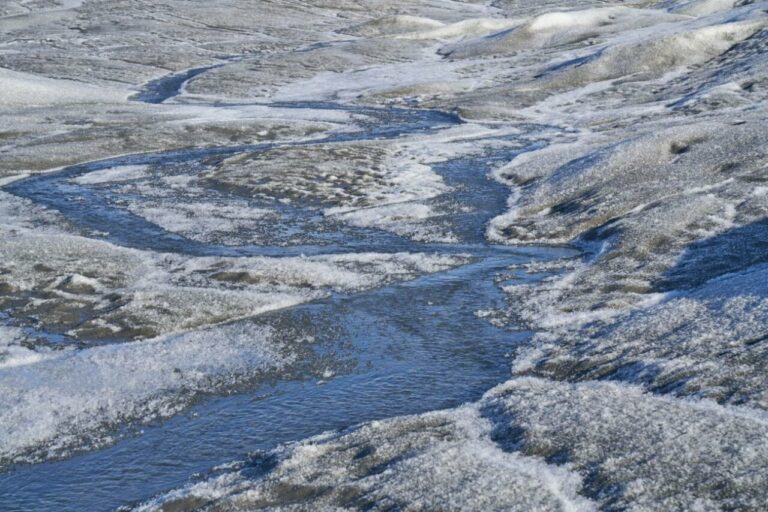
(428, 76)
(411, 220)
(461, 29)
(339, 272)
(205, 222)
(194, 114)
(391, 25)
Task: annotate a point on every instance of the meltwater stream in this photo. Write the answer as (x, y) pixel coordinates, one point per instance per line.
(407, 348)
(93, 209)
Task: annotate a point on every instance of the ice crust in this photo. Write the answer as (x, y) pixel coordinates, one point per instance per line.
(390, 464)
(545, 445)
(73, 398)
(332, 178)
(636, 451)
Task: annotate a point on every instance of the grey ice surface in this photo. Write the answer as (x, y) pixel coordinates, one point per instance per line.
(420, 255)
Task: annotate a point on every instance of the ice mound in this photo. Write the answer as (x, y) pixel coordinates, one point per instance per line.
(442, 460)
(558, 29)
(390, 25)
(671, 296)
(636, 451)
(588, 186)
(73, 398)
(664, 189)
(22, 89)
(737, 78)
(655, 57)
(638, 204)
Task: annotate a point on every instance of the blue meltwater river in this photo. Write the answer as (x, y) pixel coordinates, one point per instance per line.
(406, 348)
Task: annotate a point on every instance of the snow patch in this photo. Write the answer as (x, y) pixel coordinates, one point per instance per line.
(24, 89)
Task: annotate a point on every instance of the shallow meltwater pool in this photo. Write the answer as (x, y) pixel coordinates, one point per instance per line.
(404, 348)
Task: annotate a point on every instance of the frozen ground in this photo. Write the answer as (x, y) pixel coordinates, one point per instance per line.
(310, 255)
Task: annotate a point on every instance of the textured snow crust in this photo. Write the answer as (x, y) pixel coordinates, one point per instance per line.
(391, 464)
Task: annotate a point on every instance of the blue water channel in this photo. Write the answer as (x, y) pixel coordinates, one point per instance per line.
(407, 348)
